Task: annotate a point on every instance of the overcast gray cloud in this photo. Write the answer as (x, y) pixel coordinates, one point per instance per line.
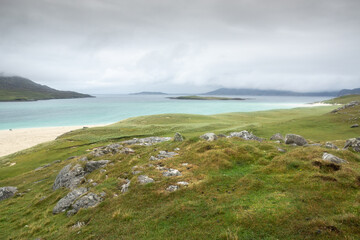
(118, 46)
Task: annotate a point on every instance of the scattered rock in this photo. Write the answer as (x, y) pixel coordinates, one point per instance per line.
(93, 165)
(182, 183)
(313, 145)
(355, 126)
(245, 135)
(143, 179)
(330, 145)
(353, 143)
(295, 139)
(42, 167)
(172, 188)
(281, 150)
(136, 172)
(125, 187)
(209, 137)
(7, 192)
(78, 225)
(327, 157)
(146, 141)
(163, 155)
(69, 199)
(277, 136)
(87, 201)
(69, 177)
(178, 137)
(184, 164)
(171, 173)
(177, 149)
(111, 148)
(349, 105)
(127, 151)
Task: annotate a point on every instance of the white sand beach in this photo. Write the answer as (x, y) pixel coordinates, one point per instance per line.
(20, 139)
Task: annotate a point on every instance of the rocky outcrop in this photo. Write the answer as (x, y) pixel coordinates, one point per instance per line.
(93, 165)
(70, 177)
(7, 192)
(330, 145)
(353, 143)
(87, 201)
(142, 179)
(209, 137)
(171, 173)
(349, 105)
(69, 199)
(327, 157)
(178, 137)
(277, 137)
(163, 155)
(111, 148)
(146, 141)
(295, 139)
(245, 135)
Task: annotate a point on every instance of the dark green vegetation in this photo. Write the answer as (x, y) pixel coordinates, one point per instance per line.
(205, 98)
(238, 189)
(258, 92)
(22, 89)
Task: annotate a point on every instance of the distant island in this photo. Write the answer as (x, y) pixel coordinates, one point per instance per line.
(149, 93)
(258, 92)
(204, 98)
(22, 89)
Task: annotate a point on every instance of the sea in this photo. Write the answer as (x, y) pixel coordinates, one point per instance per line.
(111, 108)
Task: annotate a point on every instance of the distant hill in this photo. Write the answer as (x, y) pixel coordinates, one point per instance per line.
(257, 92)
(149, 93)
(349, 92)
(22, 89)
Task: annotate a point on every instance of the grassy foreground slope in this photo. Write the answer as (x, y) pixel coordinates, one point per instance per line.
(238, 189)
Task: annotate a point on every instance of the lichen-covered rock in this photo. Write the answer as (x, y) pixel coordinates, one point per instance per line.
(7, 192)
(69, 177)
(172, 188)
(93, 165)
(87, 201)
(295, 139)
(277, 136)
(163, 155)
(353, 143)
(327, 157)
(125, 187)
(171, 173)
(245, 135)
(69, 199)
(178, 137)
(209, 137)
(330, 145)
(145, 179)
(146, 141)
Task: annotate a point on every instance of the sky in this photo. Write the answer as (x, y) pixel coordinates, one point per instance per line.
(188, 46)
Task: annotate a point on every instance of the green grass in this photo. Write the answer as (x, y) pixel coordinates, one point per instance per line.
(343, 99)
(238, 189)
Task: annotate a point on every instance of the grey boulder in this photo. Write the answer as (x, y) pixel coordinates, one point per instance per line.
(93, 165)
(277, 136)
(209, 137)
(145, 179)
(330, 145)
(178, 137)
(353, 143)
(66, 201)
(7, 192)
(295, 139)
(327, 157)
(69, 177)
(87, 201)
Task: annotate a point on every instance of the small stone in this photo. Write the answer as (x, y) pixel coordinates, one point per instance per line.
(78, 225)
(184, 164)
(182, 183)
(281, 150)
(127, 151)
(355, 126)
(295, 139)
(152, 158)
(143, 179)
(178, 137)
(209, 137)
(333, 159)
(177, 149)
(125, 187)
(172, 188)
(330, 145)
(136, 172)
(171, 173)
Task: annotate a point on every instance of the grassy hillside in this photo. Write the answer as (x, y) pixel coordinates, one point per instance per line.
(205, 98)
(21, 89)
(238, 189)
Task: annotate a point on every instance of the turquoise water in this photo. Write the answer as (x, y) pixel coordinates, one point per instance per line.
(112, 108)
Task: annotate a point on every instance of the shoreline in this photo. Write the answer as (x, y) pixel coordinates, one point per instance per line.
(12, 141)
